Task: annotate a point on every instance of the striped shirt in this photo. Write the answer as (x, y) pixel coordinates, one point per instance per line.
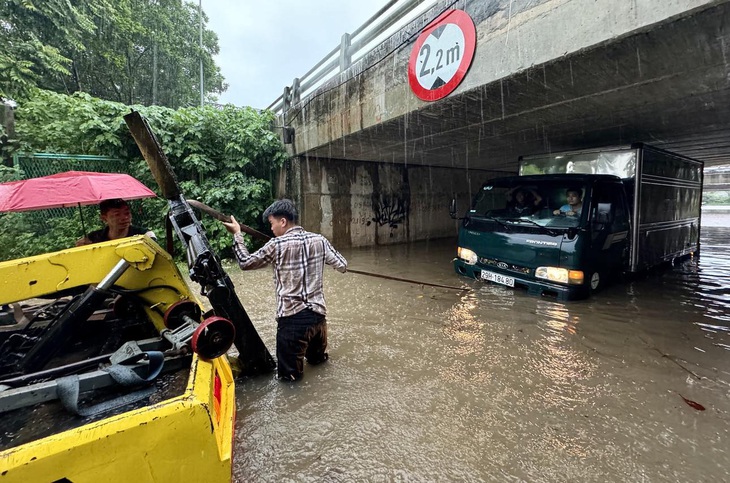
(298, 257)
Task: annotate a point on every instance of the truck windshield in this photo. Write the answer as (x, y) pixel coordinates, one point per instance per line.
(552, 204)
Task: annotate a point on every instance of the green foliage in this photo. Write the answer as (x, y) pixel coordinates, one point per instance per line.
(77, 124)
(531, 169)
(33, 33)
(26, 234)
(226, 158)
(716, 197)
(131, 51)
(10, 174)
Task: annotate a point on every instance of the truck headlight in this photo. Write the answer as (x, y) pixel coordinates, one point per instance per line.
(560, 275)
(467, 255)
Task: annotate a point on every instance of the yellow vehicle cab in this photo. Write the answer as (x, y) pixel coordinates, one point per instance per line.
(99, 381)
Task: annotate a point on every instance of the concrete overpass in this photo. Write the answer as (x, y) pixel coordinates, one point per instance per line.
(717, 180)
(373, 164)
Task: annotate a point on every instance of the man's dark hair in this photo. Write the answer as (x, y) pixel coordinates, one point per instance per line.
(574, 190)
(107, 205)
(282, 208)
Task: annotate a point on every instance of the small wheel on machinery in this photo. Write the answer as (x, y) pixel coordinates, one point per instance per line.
(174, 316)
(213, 337)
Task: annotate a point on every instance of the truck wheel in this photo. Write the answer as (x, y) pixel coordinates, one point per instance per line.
(595, 282)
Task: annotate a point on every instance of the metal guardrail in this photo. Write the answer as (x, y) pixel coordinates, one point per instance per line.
(351, 49)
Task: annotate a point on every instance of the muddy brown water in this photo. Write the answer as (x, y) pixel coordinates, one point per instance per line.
(430, 384)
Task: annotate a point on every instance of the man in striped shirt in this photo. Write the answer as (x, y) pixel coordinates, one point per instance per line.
(298, 258)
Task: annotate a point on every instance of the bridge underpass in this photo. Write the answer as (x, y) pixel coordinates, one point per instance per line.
(374, 164)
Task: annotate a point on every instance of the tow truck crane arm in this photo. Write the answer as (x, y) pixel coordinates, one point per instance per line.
(204, 265)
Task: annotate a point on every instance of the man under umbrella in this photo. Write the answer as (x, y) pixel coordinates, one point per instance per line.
(117, 217)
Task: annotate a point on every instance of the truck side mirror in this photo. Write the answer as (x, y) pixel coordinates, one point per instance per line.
(603, 214)
(452, 209)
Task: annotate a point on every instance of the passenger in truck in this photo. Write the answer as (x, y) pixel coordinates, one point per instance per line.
(522, 201)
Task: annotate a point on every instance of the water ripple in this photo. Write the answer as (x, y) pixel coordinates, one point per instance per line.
(430, 384)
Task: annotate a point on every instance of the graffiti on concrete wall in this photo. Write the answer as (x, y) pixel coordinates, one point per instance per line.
(390, 210)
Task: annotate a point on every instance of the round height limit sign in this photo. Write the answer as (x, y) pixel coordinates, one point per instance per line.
(441, 55)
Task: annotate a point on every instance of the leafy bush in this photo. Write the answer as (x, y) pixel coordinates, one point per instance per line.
(26, 234)
(227, 158)
(716, 197)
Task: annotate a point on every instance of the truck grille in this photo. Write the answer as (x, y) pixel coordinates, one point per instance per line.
(504, 266)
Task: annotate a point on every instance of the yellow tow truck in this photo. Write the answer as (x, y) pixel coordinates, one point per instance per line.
(110, 370)
(167, 436)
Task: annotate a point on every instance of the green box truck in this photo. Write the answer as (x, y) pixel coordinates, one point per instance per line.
(570, 222)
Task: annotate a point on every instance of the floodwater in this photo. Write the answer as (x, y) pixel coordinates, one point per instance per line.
(490, 384)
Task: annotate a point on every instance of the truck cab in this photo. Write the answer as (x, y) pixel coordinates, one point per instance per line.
(570, 222)
(546, 248)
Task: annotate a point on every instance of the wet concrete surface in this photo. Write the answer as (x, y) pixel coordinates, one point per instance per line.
(491, 384)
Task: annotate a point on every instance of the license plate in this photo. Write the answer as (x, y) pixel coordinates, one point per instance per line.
(497, 278)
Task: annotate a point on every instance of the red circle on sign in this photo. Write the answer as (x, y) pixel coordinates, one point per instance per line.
(437, 53)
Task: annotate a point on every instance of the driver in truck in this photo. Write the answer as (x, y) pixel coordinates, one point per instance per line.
(574, 205)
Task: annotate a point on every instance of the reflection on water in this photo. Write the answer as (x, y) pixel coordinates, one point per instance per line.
(429, 384)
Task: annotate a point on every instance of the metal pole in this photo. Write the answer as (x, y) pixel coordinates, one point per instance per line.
(200, 14)
(83, 226)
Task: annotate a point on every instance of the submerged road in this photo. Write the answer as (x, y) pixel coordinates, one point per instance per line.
(430, 384)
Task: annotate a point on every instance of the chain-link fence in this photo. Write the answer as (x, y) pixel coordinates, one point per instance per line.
(35, 165)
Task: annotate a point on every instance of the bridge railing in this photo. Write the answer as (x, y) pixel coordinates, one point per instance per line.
(352, 48)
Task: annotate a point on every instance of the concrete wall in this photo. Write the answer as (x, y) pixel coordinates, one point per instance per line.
(355, 203)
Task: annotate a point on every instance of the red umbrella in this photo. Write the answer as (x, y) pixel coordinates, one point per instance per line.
(72, 188)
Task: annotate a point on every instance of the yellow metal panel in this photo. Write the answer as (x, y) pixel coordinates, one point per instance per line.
(224, 418)
(173, 441)
(140, 255)
(186, 438)
(81, 266)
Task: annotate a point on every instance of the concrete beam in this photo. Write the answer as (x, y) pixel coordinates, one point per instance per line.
(717, 181)
(547, 75)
